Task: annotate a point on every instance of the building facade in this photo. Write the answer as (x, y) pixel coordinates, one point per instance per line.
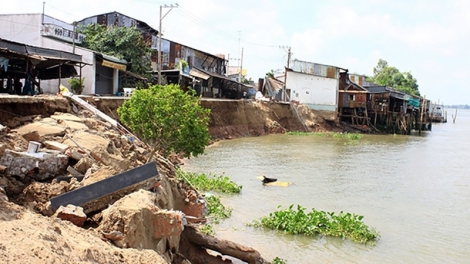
(315, 85)
(100, 73)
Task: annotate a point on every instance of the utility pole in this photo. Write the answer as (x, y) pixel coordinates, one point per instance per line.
(240, 74)
(160, 63)
(284, 94)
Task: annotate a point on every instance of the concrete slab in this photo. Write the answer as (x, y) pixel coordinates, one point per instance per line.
(74, 125)
(87, 140)
(56, 146)
(39, 166)
(66, 116)
(45, 127)
(100, 194)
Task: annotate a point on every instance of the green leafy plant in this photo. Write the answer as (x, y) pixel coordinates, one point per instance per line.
(211, 182)
(297, 221)
(121, 42)
(278, 260)
(350, 136)
(168, 119)
(216, 210)
(77, 85)
(207, 229)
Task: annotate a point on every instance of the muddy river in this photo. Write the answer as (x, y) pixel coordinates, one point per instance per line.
(414, 190)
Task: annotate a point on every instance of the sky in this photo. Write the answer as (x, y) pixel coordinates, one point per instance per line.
(429, 38)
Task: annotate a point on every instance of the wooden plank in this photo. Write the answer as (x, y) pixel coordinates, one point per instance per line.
(110, 186)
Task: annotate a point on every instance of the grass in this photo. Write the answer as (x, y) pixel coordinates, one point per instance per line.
(278, 260)
(297, 221)
(350, 136)
(212, 182)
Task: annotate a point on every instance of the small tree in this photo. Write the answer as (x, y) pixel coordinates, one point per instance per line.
(391, 76)
(76, 85)
(121, 42)
(168, 119)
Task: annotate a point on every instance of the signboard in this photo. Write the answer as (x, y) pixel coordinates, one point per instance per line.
(114, 65)
(61, 33)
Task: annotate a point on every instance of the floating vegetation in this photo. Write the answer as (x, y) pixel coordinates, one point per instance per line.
(278, 260)
(218, 183)
(297, 221)
(207, 229)
(212, 182)
(351, 136)
(216, 210)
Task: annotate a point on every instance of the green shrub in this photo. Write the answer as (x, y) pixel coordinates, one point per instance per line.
(344, 225)
(77, 85)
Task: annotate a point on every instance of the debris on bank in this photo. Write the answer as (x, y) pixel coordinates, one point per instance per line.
(78, 169)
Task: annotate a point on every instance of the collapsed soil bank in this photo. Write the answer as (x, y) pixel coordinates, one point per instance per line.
(243, 118)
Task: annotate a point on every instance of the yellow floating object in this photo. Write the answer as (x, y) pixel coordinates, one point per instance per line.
(276, 183)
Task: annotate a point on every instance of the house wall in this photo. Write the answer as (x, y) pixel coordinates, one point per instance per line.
(24, 28)
(318, 93)
(27, 28)
(88, 71)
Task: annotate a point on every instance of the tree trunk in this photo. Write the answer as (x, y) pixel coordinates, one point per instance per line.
(224, 247)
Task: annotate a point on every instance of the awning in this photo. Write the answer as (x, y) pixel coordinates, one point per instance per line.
(111, 62)
(199, 74)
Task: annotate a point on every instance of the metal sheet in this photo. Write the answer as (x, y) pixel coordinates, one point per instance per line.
(198, 74)
(106, 187)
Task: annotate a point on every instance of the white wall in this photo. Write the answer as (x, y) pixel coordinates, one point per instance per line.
(318, 93)
(24, 28)
(88, 71)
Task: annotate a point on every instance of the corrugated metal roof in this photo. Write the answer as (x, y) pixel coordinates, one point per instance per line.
(199, 74)
(377, 89)
(273, 86)
(316, 69)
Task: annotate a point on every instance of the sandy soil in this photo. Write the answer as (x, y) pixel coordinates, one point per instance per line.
(27, 237)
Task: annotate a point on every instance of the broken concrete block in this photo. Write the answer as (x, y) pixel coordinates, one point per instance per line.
(87, 140)
(66, 116)
(3, 195)
(72, 214)
(142, 223)
(74, 154)
(56, 146)
(83, 165)
(74, 125)
(115, 161)
(196, 209)
(31, 136)
(45, 127)
(111, 134)
(168, 223)
(40, 166)
(74, 172)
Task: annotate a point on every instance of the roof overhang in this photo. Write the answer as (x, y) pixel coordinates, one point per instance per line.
(111, 62)
(199, 74)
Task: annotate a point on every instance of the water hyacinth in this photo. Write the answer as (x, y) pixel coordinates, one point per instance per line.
(350, 136)
(211, 182)
(297, 221)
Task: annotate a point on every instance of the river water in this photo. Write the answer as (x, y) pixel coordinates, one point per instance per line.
(414, 190)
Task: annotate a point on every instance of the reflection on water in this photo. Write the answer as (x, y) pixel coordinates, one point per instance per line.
(413, 189)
